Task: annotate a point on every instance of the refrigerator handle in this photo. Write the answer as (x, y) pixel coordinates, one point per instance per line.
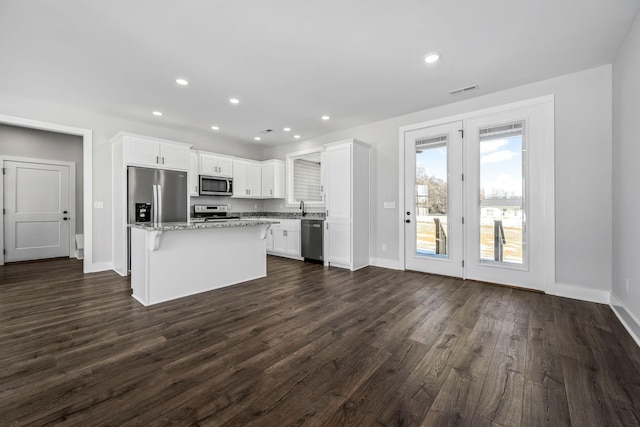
(159, 203)
(154, 208)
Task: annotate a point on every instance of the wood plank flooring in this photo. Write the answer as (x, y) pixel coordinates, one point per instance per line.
(308, 346)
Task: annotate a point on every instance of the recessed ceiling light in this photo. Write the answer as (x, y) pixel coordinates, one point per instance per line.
(215, 128)
(325, 117)
(157, 113)
(234, 100)
(182, 82)
(287, 129)
(432, 57)
(257, 138)
(296, 136)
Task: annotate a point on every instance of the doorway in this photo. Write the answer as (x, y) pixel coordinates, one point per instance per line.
(476, 196)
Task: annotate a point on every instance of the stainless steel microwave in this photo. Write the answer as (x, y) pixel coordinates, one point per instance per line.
(215, 186)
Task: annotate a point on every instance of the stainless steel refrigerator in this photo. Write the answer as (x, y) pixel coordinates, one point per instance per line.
(155, 195)
(164, 192)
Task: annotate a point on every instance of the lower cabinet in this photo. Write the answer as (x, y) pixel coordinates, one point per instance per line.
(283, 239)
(338, 243)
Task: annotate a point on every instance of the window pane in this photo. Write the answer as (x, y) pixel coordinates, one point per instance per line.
(306, 180)
(431, 198)
(501, 194)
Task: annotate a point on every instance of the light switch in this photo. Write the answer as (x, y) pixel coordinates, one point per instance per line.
(389, 205)
(98, 205)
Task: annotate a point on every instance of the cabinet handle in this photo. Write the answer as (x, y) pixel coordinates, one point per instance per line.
(163, 160)
(284, 233)
(157, 159)
(271, 192)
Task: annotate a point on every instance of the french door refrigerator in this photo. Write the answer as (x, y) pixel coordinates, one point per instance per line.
(156, 195)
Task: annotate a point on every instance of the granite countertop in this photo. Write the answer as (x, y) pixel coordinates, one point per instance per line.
(168, 226)
(281, 215)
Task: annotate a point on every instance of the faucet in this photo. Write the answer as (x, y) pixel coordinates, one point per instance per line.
(302, 207)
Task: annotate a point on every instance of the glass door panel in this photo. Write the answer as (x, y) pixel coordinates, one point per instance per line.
(501, 202)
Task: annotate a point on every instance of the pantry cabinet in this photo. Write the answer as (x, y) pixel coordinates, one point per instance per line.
(347, 166)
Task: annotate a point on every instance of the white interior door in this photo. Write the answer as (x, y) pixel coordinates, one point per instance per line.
(36, 203)
(505, 204)
(433, 200)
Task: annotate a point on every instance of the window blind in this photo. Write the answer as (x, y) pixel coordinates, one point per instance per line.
(306, 181)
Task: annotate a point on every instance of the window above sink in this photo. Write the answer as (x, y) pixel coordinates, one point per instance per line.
(304, 174)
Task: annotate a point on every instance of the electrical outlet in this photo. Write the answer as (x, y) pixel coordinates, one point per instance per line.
(98, 205)
(626, 285)
(384, 246)
(255, 206)
(389, 205)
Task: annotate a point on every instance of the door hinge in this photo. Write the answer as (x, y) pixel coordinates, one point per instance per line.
(4, 211)
(463, 220)
(4, 171)
(463, 263)
(463, 177)
(461, 133)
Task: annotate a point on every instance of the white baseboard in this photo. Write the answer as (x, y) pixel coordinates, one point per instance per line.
(577, 292)
(98, 266)
(628, 320)
(386, 263)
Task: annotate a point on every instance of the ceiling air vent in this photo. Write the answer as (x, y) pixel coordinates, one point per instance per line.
(266, 131)
(463, 89)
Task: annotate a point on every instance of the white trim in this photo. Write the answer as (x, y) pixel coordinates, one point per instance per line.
(99, 266)
(580, 293)
(73, 253)
(386, 263)
(624, 314)
(549, 173)
(87, 176)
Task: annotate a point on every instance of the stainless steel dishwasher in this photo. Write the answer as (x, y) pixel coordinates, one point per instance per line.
(311, 239)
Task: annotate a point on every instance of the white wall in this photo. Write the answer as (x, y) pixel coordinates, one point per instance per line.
(38, 144)
(626, 171)
(583, 172)
(104, 128)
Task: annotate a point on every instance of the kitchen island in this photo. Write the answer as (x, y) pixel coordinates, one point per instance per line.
(174, 260)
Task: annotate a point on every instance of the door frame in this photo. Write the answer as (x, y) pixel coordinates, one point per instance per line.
(87, 177)
(548, 171)
(73, 253)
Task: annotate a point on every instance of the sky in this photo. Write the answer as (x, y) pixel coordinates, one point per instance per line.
(500, 164)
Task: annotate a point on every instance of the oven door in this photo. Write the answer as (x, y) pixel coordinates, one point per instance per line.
(214, 186)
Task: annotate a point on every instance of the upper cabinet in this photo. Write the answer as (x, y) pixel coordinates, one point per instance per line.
(273, 179)
(153, 152)
(213, 165)
(194, 174)
(247, 179)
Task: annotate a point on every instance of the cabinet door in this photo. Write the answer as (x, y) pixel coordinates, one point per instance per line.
(141, 152)
(208, 165)
(269, 240)
(254, 180)
(194, 180)
(279, 240)
(174, 157)
(293, 242)
(267, 180)
(338, 179)
(239, 179)
(225, 167)
(339, 242)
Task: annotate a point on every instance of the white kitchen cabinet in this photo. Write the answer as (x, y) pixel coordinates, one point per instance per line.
(194, 174)
(285, 238)
(152, 152)
(347, 190)
(213, 165)
(273, 179)
(247, 179)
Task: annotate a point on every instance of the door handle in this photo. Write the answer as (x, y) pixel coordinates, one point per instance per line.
(407, 221)
(65, 212)
(65, 218)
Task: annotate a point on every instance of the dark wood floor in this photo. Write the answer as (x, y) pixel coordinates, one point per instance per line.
(308, 346)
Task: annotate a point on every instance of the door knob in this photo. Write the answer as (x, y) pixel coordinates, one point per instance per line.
(407, 221)
(64, 212)
(65, 218)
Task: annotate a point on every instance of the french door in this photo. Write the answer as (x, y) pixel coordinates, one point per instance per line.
(475, 198)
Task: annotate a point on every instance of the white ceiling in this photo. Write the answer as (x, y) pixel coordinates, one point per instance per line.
(292, 61)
